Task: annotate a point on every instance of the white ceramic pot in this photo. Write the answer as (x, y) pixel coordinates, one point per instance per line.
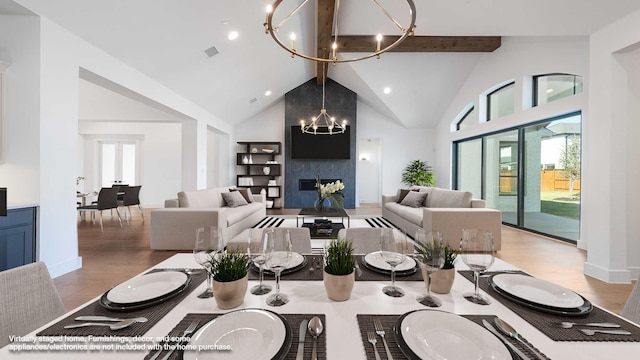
(338, 287)
(230, 294)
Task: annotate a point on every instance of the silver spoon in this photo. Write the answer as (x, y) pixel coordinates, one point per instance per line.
(569, 325)
(116, 326)
(509, 330)
(107, 318)
(613, 332)
(315, 328)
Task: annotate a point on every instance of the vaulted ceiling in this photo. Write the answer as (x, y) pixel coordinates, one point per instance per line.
(167, 39)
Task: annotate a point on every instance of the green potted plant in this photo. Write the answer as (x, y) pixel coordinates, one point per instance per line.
(442, 280)
(418, 173)
(338, 274)
(229, 272)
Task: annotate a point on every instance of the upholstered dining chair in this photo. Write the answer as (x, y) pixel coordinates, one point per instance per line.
(631, 308)
(28, 300)
(131, 197)
(367, 240)
(107, 200)
(300, 239)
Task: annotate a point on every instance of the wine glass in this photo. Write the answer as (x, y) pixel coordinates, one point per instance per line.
(393, 250)
(277, 256)
(256, 250)
(476, 250)
(208, 244)
(430, 255)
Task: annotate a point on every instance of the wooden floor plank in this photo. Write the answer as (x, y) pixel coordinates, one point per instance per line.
(119, 253)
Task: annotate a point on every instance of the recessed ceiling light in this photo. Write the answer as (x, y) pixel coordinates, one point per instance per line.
(232, 35)
(387, 90)
(267, 93)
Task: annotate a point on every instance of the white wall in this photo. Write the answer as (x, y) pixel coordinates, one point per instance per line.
(610, 154)
(160, 159)
(399, 144)
(20, 169)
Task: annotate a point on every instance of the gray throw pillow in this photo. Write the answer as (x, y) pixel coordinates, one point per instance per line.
(246, 194)
(234, 199)
(414, 199)
(402, 194)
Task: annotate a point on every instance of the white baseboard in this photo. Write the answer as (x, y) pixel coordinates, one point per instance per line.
(607, 275)
(65, 267)
(582, 245)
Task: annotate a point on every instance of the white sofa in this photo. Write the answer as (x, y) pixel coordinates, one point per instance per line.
(447, 211)
(174, 227)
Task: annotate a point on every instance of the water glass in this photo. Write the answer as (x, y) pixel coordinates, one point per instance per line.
(277, 258)
(477, 251)
(208, 243)
(430, 255)
(393, 250)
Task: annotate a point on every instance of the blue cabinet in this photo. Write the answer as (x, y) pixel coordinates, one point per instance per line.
(18, 238)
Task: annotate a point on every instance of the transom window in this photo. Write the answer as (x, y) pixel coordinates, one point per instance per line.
(467, 120)
(552, 87)
(500, 102)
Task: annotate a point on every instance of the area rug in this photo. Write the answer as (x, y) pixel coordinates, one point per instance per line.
(274, 221)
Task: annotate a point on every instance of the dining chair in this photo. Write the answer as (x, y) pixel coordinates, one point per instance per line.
(300, 239)
(367, 240)
(131, 197)
(28, 300)
(631, 309)
(107, 200)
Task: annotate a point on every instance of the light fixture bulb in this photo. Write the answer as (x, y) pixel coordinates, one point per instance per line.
(292, 36)
(379, 38)
(269, 8)
(387, 90)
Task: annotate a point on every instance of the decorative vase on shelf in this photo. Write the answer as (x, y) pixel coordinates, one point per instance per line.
(250, 160)
(322, 204)
(245, 160)
(266, 170)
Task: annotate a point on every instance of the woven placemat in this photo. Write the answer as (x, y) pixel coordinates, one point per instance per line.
(365, 323)
(549, 324)
(294, 321)
(316, 261)
(153, 314)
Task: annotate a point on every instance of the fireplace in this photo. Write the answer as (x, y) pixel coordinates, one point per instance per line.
(310, 184)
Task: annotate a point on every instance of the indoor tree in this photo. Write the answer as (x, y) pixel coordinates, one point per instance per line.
(418, 173)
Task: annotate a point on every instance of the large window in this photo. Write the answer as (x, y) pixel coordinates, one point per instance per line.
(500, 102)
(552, 87)
(118, 163)
(531, 173)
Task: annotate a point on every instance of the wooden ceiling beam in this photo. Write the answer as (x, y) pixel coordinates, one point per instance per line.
(367, 43)
(326, 10)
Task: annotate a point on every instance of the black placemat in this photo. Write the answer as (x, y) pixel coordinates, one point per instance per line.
(294, 321)
(365, 323)
(549, 324)
(316, 274)
(153, 314)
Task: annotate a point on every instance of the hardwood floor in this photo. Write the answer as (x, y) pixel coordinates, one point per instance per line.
(119, 253)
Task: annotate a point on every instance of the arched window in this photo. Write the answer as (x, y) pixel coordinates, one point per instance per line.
(552, 87)
(466, 120)
(500, 102)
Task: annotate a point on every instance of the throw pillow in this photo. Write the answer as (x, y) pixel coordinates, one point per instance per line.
(246, 194)
(403, 193)
(414, 199)
(234, 199)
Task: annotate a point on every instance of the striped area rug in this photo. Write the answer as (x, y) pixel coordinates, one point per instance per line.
(379, 222)
(273, 221)
(269, 221)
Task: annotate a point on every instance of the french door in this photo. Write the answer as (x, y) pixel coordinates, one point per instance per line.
(118, 162)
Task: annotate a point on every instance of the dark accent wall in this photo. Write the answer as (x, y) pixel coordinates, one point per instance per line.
(304, 102)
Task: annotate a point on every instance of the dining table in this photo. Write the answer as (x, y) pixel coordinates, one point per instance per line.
(344, 333)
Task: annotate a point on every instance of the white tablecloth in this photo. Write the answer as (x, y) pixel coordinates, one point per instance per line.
(343, 335)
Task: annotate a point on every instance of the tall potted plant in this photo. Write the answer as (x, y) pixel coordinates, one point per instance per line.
(418, 172)
(230, 279)
(338, 275)
(442, 280)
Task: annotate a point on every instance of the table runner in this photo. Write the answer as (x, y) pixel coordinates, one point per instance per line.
(153, 313)
(316, 274)
(549, 324)
(293, 319)
(365, 323)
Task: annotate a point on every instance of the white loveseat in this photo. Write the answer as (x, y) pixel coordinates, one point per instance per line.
(447, 211)
(174, 227)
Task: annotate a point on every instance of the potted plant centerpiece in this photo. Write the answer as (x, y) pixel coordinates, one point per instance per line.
(230, 279)
(338, 275)
(442, 280)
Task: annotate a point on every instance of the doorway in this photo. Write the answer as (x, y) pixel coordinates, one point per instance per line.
(118, 162)
(369, 176)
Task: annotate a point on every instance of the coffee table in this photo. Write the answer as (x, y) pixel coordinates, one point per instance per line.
(310, 212)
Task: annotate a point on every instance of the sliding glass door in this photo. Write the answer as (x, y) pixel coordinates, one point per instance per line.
(531, 173)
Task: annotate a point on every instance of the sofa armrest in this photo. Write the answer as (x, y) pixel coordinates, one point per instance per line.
(389, 198)
(260, 198)
(478, 203)
(451, 221)
(175, 228)
(172, 203)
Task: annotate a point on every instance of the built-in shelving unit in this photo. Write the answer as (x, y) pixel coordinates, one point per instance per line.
(259, 167)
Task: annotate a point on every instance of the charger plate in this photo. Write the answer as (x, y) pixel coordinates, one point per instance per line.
(437, 335)
(297, 262)
(147, 287)
(255, 334)
(374, 261)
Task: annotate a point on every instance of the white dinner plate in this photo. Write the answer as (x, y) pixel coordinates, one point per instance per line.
(147, 287)
(537, 291)
(248, 333)
(296, 260)
(375, 259)
(439, 335)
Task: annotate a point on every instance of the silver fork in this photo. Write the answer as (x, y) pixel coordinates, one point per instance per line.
(380, 331)
(372, 339)
(188, 331)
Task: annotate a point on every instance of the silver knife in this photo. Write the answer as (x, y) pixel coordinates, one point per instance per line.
(505, 341)
(303, 333)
